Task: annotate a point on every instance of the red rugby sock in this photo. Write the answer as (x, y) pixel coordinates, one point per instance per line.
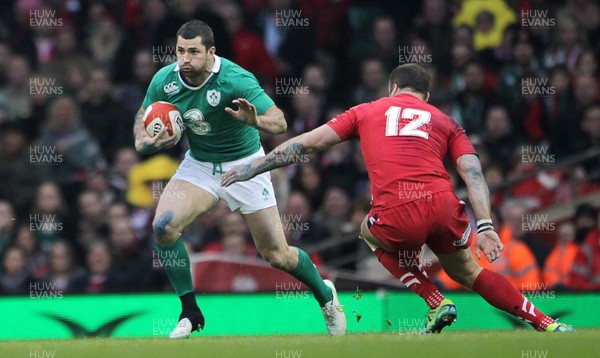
(498, 291)
(406, 268)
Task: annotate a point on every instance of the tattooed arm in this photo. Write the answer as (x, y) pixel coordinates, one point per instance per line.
(293, 151)
(145, 144)
(469, 168)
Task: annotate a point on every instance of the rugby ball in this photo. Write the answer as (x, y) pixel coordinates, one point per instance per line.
(160, 114)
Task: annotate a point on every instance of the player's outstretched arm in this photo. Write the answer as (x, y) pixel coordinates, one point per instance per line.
(145, 144)
(272, 122)
(292, 151)
(469, 168)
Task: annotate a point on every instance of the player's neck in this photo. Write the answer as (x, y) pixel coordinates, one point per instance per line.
(410, 93)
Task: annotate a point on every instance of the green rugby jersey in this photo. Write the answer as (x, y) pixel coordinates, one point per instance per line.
(213, 134)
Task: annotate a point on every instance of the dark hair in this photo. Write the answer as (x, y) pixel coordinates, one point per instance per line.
(412, 76)
(195, 28)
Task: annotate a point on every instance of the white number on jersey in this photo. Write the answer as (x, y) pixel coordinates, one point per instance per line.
(411, 128)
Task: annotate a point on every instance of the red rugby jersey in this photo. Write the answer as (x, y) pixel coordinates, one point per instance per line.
(404, 142)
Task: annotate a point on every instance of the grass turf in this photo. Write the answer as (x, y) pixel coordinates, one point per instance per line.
(486, 344)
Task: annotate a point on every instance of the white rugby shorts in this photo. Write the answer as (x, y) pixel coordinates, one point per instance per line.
(247, 196)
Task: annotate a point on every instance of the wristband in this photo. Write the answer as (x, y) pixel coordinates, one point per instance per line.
(484, 225)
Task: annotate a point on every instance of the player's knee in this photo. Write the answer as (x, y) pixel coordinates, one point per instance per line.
(164, 230)
(276, 258)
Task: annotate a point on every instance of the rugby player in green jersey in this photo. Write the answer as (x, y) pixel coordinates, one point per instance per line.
(202, 85)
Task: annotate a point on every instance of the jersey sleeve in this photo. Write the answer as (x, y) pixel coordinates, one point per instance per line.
(458, 142)
(346, 124)
(250, 90)
(153, 93)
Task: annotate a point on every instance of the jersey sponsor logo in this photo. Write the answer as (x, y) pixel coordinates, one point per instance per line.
(171, 88)
(213, 97)
(463, 240)
(195, 122)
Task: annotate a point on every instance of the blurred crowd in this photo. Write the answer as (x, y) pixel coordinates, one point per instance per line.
(76, 199)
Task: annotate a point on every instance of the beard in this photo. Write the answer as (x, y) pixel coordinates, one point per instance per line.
(190, 72)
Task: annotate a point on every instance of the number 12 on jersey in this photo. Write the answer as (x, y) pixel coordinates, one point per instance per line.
(417, 116)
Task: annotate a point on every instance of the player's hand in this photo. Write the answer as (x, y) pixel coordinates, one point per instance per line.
(246, 112)
(490, 244)
(146, 144)
(237, 173)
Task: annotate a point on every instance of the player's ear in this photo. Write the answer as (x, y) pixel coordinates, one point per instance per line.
(427, 96)
(392, 89)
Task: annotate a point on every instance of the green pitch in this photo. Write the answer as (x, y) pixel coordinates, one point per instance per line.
(486, 344)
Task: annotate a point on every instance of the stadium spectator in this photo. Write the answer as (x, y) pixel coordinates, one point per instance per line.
(37, 259)
(557, 121)
(510, 77)
(66, 55)
(205, 230)
(335, 213)
(290, 46)
(586, 222)
(330, 21)
(233, 223)
(558, 266)
(99, 276)
(587, 64)
(307, 110)
(471, 103)
(62, 267)
(462, 55)
(6, 54)
(149, 21)
(567, 46)
(489, 19)
(499, 137)
(434, 25)
(15, 279)
(8, 225)
(309, 181)
(385, 41)
(318, 81)
(92, 212)
(590, 127)
(110, 48)
(50, 217)
(585, 272)
(372, 81)
(340, 170)
(494, 177)
(133, 259)
(118, 175)
(299, 226)
(132, 93)
(105, 117)
(67, 141)
(248, 48)
(17, 89)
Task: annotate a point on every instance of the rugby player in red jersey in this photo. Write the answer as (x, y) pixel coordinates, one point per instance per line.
(404, 141)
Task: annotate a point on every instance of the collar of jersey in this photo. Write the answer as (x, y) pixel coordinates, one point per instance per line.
(215, 69)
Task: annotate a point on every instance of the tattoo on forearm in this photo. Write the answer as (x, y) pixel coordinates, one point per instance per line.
(281, 157)
(478, 187)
